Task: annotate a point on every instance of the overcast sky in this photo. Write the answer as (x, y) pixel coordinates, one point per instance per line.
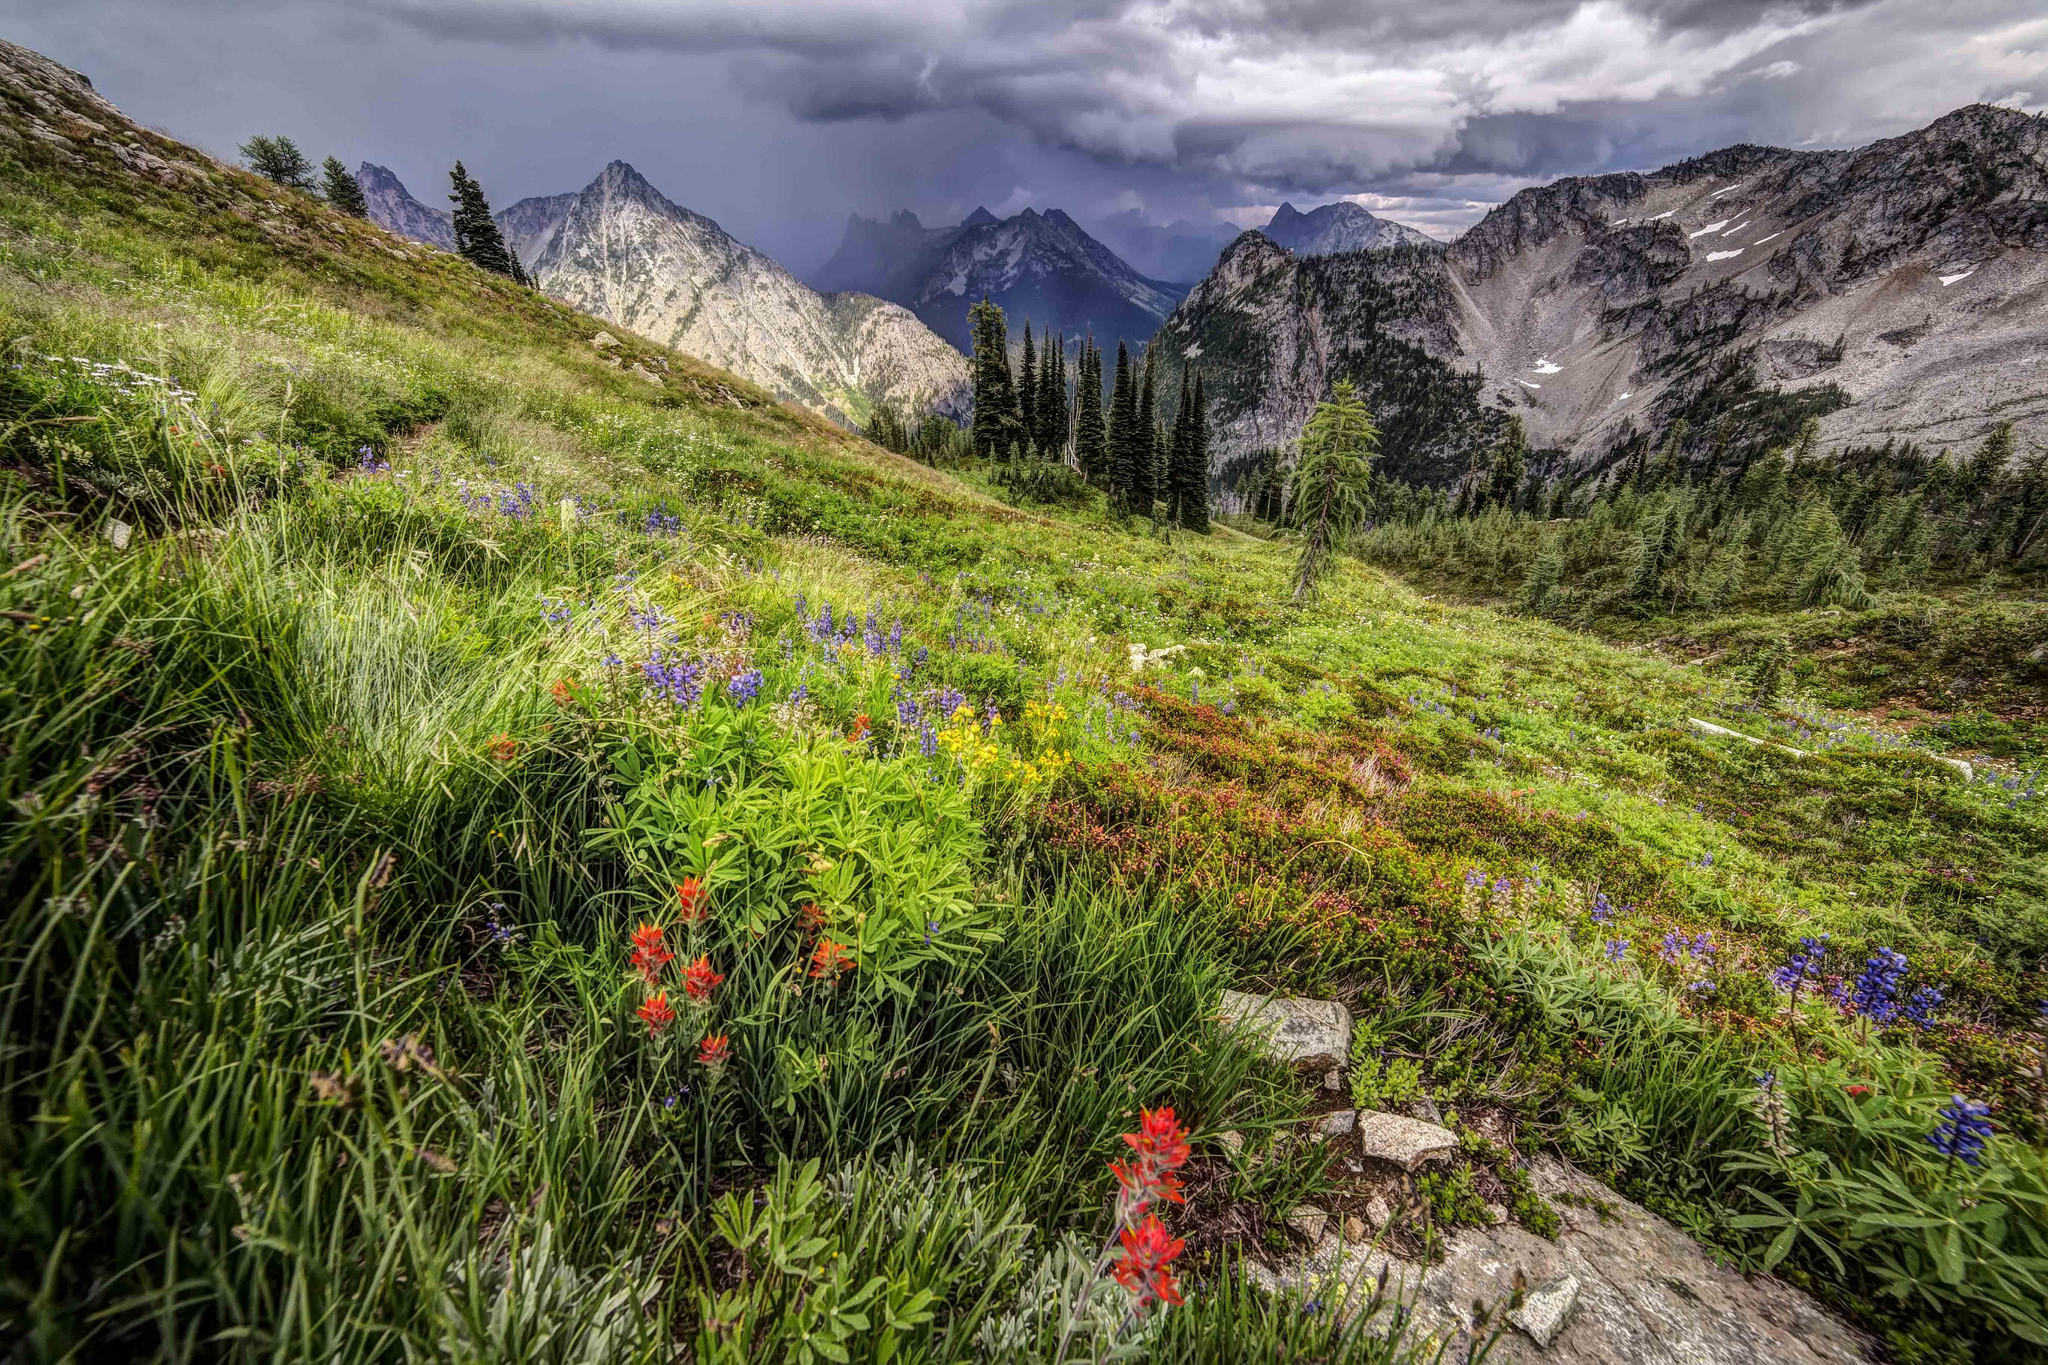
(778, 117)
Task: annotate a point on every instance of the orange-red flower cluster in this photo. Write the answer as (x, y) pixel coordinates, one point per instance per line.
(829, 960)
(657, 1013)
(699, 980)
(859, 731)
(1145, 1267)
(1159, 1148)
(690, 900)
(649, 955)
(502, 747)
(564, 691)
(715, 1051)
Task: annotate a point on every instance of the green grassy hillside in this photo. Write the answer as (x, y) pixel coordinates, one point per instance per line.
(377, 653)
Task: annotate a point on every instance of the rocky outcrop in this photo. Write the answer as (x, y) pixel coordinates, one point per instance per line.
(1619, 1286)
(619, 250)
(1912, 275)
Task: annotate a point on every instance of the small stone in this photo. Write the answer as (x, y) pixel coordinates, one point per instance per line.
(1496, 1214)
(1291, 1029)
(1405, 1142)
(1231, 1141)
(1354, 1229)
(118, 533)
(1309, 1221)
(1338, 1123)
(604, 341)
(1425, 1109)
(1543, 1311)
(1332, 1080)
(1377, 1212)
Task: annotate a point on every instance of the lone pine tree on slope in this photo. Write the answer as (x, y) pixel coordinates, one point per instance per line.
(341, 190)
(278, 159)
(476, 233)
(1338, 446)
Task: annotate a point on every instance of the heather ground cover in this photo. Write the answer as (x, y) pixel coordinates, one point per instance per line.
(509, 860)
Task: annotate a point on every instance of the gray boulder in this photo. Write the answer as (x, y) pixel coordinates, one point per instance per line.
(1291, 1029)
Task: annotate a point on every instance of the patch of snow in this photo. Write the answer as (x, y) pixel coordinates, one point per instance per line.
(1761, 240)
(1191, 352)
(1624, 397)
(1730, 190)
(1617, 222)
(1527, 385)
(1737, 228)
(1723, 255)
(1947, 280)
(1665, 214)
(1544, 365)
(1711, 227)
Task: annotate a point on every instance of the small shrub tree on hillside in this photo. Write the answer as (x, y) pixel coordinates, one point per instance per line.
(278, 159)
(341, 189)
(1338, 446)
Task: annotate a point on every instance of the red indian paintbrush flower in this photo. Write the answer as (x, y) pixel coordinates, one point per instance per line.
(1144, 1268)
(657, 1012)
(829, 959)
(690, 899)
(715, 1051)
(699, 981)
(1159, 1147)
(649, 956)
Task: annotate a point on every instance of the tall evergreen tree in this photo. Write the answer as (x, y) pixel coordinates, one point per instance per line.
(476, 234)
(1091, 442)
(995, 398)
(1123, 431)
(278, 159)
(1027, 390)
(1191, 473)
(341, 190)
(1145, 481)
(1338, 445)
(1052, 398)
(1504, 474)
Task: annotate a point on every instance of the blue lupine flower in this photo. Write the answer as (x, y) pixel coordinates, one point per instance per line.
(1616, 948)
(1964, 1126)
(1603, 908)
(744, 687)
(680, 680)
(554, 610)
(612, 661)
(1920, 1009)
(1875, 993)
(1802, 964)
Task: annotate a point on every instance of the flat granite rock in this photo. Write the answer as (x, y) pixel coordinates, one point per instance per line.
(1405, 1142)
(1641, 1292)
(1292, 1029)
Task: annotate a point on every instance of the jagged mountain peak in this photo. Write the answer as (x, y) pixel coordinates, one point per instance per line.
(622, 250)
(981, 217)
(1335, 227)
(393, 208)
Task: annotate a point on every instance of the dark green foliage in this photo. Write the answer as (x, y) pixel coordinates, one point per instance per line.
(1091, 441)
(1145, 489)
(1504, 473)
(278, 159)
(1052, 399)
(1123, 433)
(1338, 445)
(340, 189)
(477, 237)
(995, 394)
(1188, 462)
(1027, 390)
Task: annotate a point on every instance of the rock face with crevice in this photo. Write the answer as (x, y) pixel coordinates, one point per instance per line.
(1292, 1029)
(1619, 1286)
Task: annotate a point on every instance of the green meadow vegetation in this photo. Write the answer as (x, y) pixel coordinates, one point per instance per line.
(519, 850)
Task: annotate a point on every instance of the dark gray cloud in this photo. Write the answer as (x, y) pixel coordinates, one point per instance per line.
(778, 118)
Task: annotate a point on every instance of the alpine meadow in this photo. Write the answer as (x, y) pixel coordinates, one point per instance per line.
(570, 798)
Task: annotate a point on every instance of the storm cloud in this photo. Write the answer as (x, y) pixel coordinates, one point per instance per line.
(779, 118)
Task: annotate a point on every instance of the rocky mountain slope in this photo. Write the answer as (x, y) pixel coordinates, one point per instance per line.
(619, 250)
(1040, 267)
(1901, 289)
(1342, 226)
(393, 208)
